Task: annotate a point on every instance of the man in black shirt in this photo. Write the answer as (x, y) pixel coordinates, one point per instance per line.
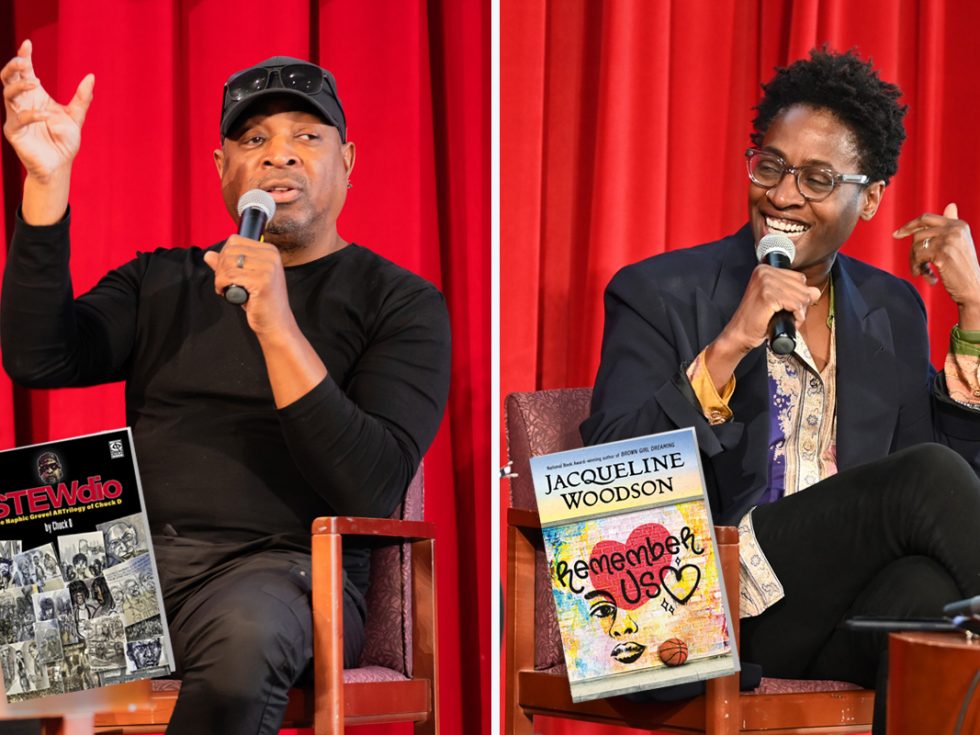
(317, 396)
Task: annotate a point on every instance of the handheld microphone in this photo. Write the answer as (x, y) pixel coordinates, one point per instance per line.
(779, 251)
(255, 209)
(963, 607)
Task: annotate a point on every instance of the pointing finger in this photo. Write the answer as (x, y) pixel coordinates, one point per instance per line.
(951, 211)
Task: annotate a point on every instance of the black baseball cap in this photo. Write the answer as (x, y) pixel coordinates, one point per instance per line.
(282, 75)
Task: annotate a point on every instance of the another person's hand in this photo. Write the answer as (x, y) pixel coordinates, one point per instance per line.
(261, 274)
(942, 247)
(45, 135)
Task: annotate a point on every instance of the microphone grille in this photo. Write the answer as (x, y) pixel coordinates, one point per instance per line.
(260, 200)
(775, 244)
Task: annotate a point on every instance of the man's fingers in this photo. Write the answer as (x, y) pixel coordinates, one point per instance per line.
(25, 52)
(10, 91)
(951, 211)
(211, 258)
(16, 69)
(79, 104)
(28, 117)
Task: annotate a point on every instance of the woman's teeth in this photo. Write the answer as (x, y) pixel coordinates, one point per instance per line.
(785, 226)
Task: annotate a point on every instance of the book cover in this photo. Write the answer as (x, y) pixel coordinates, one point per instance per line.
(80, 602)
(630, 542)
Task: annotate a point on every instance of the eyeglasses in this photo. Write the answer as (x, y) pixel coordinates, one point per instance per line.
(304, 78)
(815, 183)
(127, 539)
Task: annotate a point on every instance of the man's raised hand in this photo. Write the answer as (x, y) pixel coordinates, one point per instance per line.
(45, 134)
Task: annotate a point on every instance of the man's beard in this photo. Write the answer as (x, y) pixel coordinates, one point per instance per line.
(290, 233)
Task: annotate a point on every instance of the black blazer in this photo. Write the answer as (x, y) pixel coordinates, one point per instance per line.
(660, 314)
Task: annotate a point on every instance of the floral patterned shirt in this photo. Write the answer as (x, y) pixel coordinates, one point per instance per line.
(803, 434)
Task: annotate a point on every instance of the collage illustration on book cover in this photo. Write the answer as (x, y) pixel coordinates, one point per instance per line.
(638, 590)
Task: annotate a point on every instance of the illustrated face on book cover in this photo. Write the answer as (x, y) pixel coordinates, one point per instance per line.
(144, 654)
(627, 583)
(121, 541)
(620, 625)
(49, 468)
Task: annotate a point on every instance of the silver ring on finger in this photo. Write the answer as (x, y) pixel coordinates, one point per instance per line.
(925, 243)
(240, 261)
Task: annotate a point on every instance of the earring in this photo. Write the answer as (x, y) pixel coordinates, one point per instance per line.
(349, 184)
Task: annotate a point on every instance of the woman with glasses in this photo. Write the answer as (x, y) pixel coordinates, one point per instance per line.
(848, 463)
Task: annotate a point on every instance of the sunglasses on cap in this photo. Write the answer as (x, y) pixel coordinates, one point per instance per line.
(305, 78)
(293, 77)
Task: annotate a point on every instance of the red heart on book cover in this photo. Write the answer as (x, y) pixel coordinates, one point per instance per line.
(630, 572)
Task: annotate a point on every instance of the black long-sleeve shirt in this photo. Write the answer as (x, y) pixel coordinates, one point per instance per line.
(217, 459)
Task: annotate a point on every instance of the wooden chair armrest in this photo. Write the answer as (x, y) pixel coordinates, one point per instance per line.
(726, 534)
(385, 527)
(523, 518)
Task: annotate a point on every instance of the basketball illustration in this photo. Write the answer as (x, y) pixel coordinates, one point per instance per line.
(673, 651)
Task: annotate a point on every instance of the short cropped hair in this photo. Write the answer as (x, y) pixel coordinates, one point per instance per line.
(851, 89)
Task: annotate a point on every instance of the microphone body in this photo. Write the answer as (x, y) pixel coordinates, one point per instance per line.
(778, 251)
(968, 607)
(255, 209)
(252, 223)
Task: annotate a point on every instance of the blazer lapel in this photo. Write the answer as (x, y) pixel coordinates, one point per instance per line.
(865, 416)
(714, 310)
(732, 278)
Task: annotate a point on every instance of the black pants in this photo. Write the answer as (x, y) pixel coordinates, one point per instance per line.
(241, 627)
(898, 537)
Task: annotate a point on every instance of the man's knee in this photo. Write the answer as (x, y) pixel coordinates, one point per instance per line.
(267, 643)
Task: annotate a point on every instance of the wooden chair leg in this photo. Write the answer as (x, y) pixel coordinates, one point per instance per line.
(518, 626)
(424, 639)
(722, 709)
(721, 706)
(328, 631)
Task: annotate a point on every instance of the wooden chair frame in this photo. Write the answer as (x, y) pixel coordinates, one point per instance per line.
(332, 704)
(722, 710)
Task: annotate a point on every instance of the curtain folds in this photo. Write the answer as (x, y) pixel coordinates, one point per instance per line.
(414, 80)
(623, 126)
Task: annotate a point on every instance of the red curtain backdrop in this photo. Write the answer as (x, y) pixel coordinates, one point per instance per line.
(622, 131)
(414, 78)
